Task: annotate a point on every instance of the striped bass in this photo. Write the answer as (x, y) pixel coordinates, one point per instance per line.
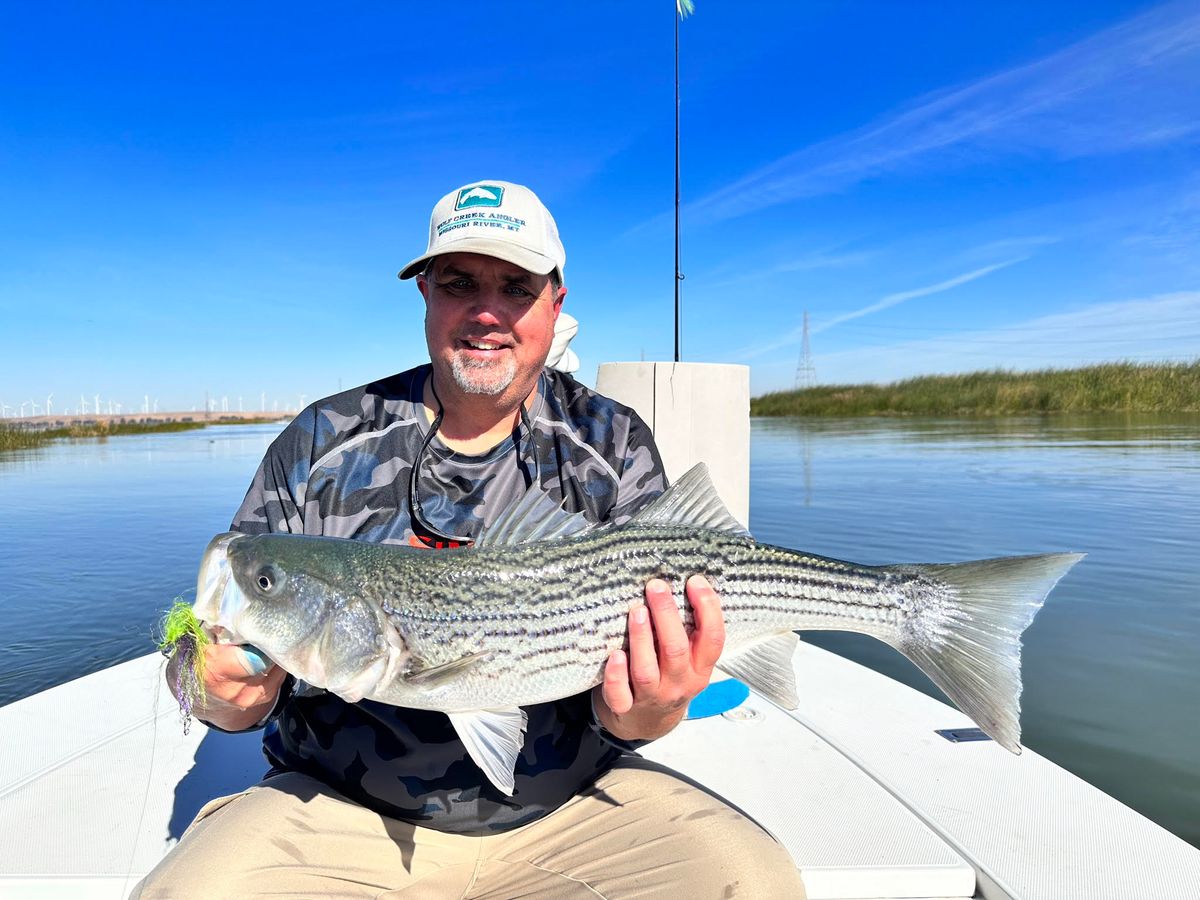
(531, 612)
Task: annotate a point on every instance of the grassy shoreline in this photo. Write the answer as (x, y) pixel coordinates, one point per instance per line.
(28, 439)
(1112, 387)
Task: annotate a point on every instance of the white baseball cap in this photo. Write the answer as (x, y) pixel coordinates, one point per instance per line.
(495, 218)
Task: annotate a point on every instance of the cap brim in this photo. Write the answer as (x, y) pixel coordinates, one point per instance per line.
(518, 256)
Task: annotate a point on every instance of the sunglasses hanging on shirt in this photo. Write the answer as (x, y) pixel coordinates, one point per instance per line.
(426, 533)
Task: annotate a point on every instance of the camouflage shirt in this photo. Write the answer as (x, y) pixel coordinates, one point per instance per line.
(341, 468)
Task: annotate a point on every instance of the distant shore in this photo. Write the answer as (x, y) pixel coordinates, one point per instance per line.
(36, 431)
(1112, 387)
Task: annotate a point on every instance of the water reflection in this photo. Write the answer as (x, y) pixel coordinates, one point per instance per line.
(99, 538)
(1112, 678)
(1176, 431)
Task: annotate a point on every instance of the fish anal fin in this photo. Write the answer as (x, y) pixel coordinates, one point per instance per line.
(766, 667)
(493, 738)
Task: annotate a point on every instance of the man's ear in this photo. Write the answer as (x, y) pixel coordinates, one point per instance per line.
(558, 301)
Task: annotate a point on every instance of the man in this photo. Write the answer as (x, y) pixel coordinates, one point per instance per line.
(368, 800)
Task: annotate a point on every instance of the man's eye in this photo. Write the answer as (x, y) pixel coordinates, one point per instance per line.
(517, 292)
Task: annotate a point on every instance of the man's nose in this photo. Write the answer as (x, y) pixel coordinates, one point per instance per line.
(489, 306)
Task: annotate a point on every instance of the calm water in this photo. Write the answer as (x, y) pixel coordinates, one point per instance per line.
(101, 536)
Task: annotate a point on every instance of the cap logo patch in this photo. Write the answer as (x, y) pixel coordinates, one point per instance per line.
(479, 195)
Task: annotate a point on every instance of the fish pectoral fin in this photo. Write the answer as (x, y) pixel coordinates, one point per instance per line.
(493, 737)
(433, 674)
(767, 668)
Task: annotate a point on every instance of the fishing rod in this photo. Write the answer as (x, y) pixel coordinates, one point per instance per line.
(682, 8)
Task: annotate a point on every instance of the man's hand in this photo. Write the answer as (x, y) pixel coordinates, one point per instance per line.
(645, 693)
(240, 691)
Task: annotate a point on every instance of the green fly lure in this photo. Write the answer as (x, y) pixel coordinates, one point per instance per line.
(182, 640)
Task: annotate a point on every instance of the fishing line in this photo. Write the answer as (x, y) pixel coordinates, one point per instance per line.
(163, 638)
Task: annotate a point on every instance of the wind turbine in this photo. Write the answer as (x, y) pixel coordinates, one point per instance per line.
(4, 408)
(49, 407)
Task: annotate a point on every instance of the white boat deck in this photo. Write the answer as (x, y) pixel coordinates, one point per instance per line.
(97, 781)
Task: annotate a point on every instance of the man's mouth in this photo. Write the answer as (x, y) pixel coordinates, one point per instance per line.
(486, 346)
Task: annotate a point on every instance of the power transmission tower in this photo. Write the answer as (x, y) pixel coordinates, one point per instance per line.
(806, 372)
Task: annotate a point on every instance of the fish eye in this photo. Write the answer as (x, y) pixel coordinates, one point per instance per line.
(267, 579)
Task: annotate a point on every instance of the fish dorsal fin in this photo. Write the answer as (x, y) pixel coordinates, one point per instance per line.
(766, 667)
(692, 501)
(493, 738)
(535, 517)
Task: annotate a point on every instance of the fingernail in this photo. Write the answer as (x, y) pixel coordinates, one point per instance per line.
(639, 614)
(253, 660)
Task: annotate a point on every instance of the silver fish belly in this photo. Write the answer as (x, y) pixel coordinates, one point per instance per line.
(531, 613)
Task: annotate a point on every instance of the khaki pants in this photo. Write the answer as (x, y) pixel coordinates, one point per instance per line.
(641, 831)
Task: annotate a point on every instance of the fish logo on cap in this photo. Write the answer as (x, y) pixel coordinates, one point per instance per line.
(479, 195)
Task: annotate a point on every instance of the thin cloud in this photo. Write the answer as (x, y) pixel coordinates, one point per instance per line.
(1175, 233)
(895, 299)
(1023, 245)
(1162, 327)
(822, 261)
(789, 339)
(1117, 90)
(737, 273)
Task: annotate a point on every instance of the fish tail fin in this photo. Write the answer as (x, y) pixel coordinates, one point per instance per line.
(969, 644)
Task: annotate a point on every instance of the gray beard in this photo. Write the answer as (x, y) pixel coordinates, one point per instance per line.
(488, 379)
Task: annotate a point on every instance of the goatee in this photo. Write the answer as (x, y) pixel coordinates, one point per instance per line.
(483, 377)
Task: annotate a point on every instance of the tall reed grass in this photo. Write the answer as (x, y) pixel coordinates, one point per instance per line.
(26, 439)
(19, 439)
(1112, 387)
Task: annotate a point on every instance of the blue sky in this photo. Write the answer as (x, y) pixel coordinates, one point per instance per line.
(216, 198)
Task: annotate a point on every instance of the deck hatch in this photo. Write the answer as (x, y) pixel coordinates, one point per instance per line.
(961, 735)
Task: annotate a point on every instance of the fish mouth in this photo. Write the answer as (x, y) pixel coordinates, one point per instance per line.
(218, 598)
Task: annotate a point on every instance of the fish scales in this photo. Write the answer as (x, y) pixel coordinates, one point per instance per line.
(567, 603)
(532, 612)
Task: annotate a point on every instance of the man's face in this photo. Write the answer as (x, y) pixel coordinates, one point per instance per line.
(489, 323)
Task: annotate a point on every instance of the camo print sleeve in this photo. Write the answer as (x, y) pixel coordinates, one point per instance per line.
(275, 501)
(608, 466)
(642, 476)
